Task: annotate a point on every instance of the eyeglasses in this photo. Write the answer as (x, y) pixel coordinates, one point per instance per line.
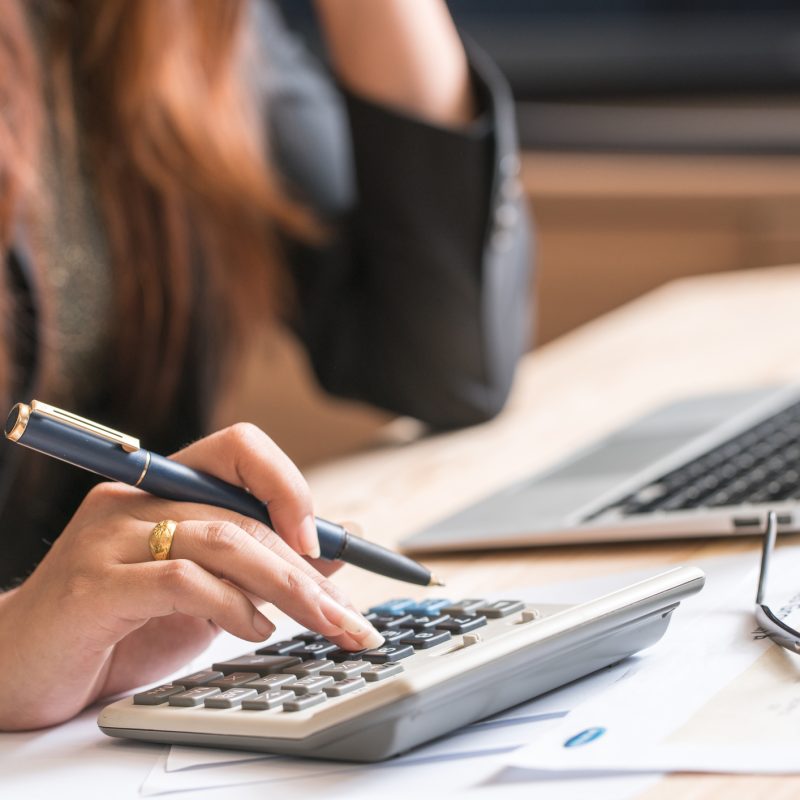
(771, 624)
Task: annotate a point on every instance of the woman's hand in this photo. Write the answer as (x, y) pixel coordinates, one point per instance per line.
(99, 616)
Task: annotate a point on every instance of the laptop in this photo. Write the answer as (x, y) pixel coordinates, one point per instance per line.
(711, 465)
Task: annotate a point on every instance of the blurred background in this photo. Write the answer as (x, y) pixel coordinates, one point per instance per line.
(660, 138)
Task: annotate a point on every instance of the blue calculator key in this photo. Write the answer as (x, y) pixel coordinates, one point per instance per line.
(389, 652)
(393, 607)
(428, 607)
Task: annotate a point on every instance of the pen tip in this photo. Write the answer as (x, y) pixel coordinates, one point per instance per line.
(434, 581)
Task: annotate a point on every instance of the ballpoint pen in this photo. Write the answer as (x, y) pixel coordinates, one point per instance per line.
(120, 457)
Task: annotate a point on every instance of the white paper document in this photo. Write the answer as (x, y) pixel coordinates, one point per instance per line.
(470, 759)
(712, 696)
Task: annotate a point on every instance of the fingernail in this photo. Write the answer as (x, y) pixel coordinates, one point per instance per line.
(309, 540)
(349, 621)
(262, 625)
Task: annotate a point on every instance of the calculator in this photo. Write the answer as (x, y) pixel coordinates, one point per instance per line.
(444, 664)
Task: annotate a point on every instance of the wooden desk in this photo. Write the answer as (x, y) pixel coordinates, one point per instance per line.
(695, 335)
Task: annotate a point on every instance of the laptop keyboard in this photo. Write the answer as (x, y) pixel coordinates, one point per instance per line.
(759, 465)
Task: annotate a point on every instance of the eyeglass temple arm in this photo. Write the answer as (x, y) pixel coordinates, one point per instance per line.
(766, 551)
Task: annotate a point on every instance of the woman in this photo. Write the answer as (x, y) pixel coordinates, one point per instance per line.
(143, 225)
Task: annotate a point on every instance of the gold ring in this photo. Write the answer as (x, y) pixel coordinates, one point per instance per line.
(161, 539)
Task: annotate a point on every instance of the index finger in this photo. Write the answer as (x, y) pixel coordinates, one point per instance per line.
(244, 455)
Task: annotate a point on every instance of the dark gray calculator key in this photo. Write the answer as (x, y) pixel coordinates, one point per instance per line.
(422, 640)
(464, 607)
(263, 665)
(234, 679)
(427, 622)
(316, 650)
(500, 608)
(269, 682)
(202, 678)
(232, 698)
(193, 697)
(345, 687)
(462, 624)
(280, 648)
(379, 672)
(384, 621)
(158, 694)
(395, 634)
(313, 684)
(346, 655)
(306, 668)
(306, 701)
(267, 700)
(346, 669)
(308, 636)
(390, 652)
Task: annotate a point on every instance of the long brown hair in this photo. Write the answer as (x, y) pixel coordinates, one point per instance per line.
(178, 163)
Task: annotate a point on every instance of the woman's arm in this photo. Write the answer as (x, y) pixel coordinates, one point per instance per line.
(419, 303)
(402, 54)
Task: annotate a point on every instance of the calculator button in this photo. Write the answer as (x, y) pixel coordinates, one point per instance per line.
(384, 621)
(202, 678)
(316, 650)
(427, 622)
(306, 701)
(158, 695)
(346, 655)
(463, 607)
(280, 648)
(309, 636)
(392, 652)
(313, 684)
(267, 700)
(462, 624)
(430, 607)
(380, 672)
(193, 697)
(270, 682)
(345, 687)
(346, 669)
(500, 608)
(306, 668)
(263, 665)
(422, 640)
(392, 607)
(232, 698)
(395, 634)
(234, 679)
